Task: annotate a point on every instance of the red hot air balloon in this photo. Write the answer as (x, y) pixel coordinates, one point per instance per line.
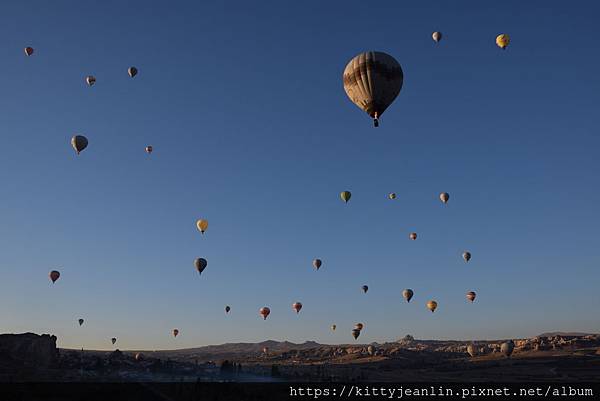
(297, 306)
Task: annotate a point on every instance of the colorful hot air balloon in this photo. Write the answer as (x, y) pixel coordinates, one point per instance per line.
(175, 332)
(264, 312)
(345, 195)
(359, 326)
(413, 236)
(471, 296)
(444, 197)
(54, 275)
(202, 225)
(79, 142)
(472, 350)
(507, 348)
(372, 80)
(407, 294)
(436, 36)
(113, 340)
(317, 263)
(333, 327)
(466, 256)
(502, 40)
(29, 51)
(149, 149)
(200, 264)
(80, 321)
(365, 288)
(392, 196)
(227, 309)
(297, 306)
(432, 305)
(90, 79)
(132, 71)
(355, 333)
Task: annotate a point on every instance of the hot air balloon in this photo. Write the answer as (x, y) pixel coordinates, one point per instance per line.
(139, 357)
(355, 333)
(392, 196)
(370, 350)
(202, 225)
(466, 256)
(507, 348)
(413, 236)
(333, 327)
(54, 275)
(90, 79)
(29, 51)
(265, 350)
(472, 350)
(502, 40)
(407, 294)
(297, 306)
(345, 195)
(436, 36)
(149, 149)
(444, 197)
(132, 71)
(80, 321)
(79, 142)
(200, 264)
(359, 326)
(227, 309)
(113, 340)
(175, 332)
(432, 305)
(372, 80)
(471, 296)
(317, 263)
(365, 288)
(264, 312)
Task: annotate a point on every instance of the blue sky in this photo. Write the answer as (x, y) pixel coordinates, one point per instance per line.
(244, 105)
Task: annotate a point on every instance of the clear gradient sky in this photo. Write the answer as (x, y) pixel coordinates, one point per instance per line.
(244, 105)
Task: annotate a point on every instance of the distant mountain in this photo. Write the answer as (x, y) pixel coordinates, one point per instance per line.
(565, 334)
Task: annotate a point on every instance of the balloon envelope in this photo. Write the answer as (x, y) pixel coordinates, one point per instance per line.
(372, 80)
(29, 51)
(264, 312)
(502, 40)
(507, 348)
(202, 225)
(54, 275)
(90, 79)
(355, 333)
(471, 296)
(227, 309)
(317, 263)
(432, 305)
(149, 149)
(297, 306)
(413, 236)
(365, 288)
(444, 197)
(132, 71)
(436, 36)
(80, 321)
(79, 142)
(200, 264)
(345, 195)
(466, 256)
(407, 294)
(175, 332)
(113, 340)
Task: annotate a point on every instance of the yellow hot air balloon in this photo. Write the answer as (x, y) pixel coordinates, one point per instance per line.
(502, 40)
(372, 80)
(202, 225)
(432, 305)
(345, 195)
